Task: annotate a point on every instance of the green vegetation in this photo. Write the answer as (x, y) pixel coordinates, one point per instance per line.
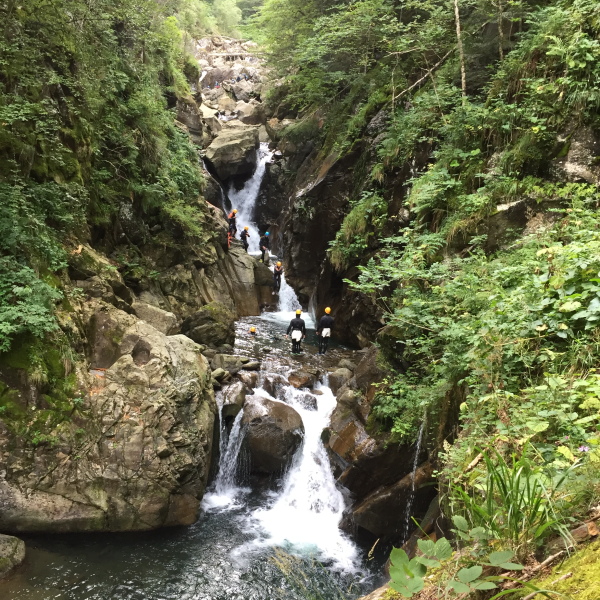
(492, 319)
(87, 136)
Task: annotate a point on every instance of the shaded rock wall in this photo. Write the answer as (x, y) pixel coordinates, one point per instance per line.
(136, 450)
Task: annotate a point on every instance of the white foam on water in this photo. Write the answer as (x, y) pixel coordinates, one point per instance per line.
(304, 517)
(244, 200)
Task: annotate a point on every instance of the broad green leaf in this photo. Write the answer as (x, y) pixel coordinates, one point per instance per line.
(402, 589)
(443, 549)
(428, 562)
(566, 452)
(497, 558)
(510, 566)
(458, 587)
(485, 585)
(470, 574)
(460, 523)
(398, 556)
(427, 547)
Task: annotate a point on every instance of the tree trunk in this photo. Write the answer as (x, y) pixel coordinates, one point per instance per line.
(461, 52)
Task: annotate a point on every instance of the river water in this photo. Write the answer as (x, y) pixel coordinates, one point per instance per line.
(233, 550)
(269, 544)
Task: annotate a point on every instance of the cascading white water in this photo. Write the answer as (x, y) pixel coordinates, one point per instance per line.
(411, 497)
(226, 492)
(305, 516)
(288, 301)
(244, 200)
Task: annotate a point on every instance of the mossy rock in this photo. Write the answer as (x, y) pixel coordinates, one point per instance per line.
(213, 325)
(585, 579)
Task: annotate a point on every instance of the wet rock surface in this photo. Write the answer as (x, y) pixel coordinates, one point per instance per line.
(136, 455)
(212, 325)
(273, 433)
(12, 554)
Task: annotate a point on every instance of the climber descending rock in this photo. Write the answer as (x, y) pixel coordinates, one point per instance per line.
(277, 273)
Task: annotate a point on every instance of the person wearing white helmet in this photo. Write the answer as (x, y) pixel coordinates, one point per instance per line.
(297, 328)
(324, 330)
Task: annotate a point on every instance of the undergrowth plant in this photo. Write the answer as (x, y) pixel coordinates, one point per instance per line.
(514, 500)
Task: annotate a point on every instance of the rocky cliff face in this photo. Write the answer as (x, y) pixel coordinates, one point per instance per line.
(382, 475)
(130, 444)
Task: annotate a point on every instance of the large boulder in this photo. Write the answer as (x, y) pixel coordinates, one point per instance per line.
(379, 512)
(273, 433)
(338, 378)
(135, 451)
(305, 378)
(227, 104)
(234, 397)
(233, 152)
(212, 325)
(243, 90)
(228, 362)
(12, 554)
(250, 113)
(166, 322)
(188, 114)
(580, 160)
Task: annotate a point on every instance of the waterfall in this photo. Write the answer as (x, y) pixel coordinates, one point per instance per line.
(288, 301)
(245, 199)
(226, 491)
(411, 497)
(304, 517)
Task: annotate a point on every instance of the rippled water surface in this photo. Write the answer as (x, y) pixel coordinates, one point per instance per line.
(230, 553)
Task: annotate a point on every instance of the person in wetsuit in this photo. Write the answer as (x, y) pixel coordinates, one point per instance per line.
(265, 246)
(297, 328)
(244, 237)
(324, 330)
(277, 273)
(232, 218)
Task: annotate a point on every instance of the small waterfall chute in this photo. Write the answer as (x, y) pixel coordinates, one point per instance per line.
(411, 497)
(245, 199)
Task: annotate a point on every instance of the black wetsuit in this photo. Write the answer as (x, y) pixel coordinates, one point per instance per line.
(232, 223)
(326, 322)
(244, 237)
(265, 244)
(277, 273)
(296, 324)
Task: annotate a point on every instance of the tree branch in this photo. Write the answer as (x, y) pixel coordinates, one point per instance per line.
(416, 83)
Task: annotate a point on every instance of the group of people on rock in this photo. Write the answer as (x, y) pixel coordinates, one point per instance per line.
(297, 331)
(237, 79)
(297, 327)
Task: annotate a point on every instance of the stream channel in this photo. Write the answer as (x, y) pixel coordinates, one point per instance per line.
(241, 534)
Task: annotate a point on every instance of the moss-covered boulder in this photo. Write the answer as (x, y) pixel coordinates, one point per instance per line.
(12, 554)
(212, 325)
(134, 445)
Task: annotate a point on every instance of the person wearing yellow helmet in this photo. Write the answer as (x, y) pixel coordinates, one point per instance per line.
(297, 328)
(324, 330)
(232, 218)
(277, 273)
(252, 330)
(244, 237)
